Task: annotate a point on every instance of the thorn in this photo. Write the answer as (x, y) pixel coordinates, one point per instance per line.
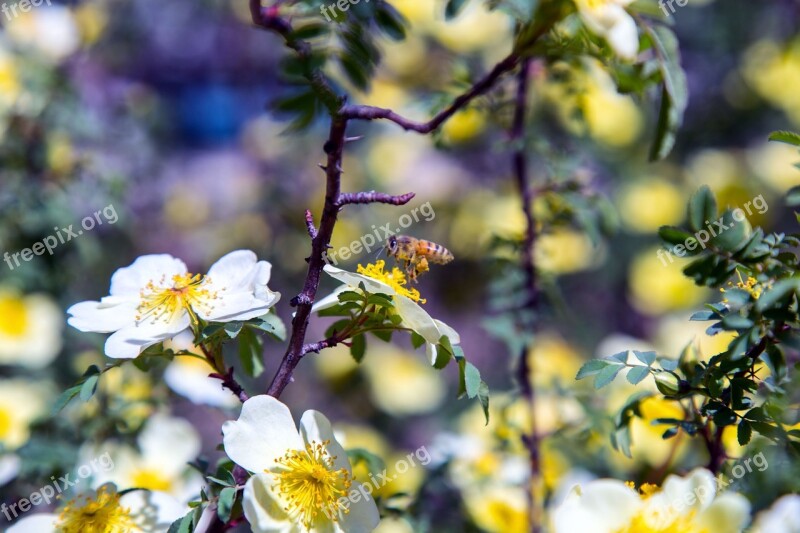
(352, 139)
(323, 167)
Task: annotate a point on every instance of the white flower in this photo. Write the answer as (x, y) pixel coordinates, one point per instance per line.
(682, 504)
(189, 376)
(21, 402)
(166, 446)
(782, 517)
(609, 20)
(106, 510)
(50, 30)
(302, 480)
(156, 298)
(405, 299)
(30, 329)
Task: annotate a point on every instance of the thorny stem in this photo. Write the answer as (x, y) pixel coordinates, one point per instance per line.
(520, 164)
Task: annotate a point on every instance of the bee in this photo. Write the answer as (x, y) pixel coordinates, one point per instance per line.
(416, 254)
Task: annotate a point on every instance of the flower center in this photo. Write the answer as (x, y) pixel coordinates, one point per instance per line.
(103, 514)
(5, 423)
(151, 479)
(167, 301)
(14, 321)
(395, 279)
(307, 480)
(659, 519)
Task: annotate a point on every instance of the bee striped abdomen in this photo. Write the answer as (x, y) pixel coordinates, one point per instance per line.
(436, 253)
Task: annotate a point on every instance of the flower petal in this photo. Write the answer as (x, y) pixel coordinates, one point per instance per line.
(330, 300)
(416, 318)
(353, 280)
(728, 513)
(623, 38)
(240, 281)
(130, 280)
(37, 523)
(363, 516)
(99, 318)
(264, 432)
(263, 508)
(130, 341)
(169, 443)
(315, 427)
(151, 510)
(586, 509)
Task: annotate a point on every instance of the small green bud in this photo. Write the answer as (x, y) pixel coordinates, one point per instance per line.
(668, 383)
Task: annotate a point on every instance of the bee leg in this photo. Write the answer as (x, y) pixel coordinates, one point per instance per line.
(422, 266)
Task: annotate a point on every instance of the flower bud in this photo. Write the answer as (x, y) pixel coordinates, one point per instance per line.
(668, 383)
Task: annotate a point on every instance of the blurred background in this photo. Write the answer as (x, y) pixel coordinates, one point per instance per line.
(163, 114)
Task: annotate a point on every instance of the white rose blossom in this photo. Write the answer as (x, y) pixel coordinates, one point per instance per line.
(609, 20)
(302, 480)
(156, 298)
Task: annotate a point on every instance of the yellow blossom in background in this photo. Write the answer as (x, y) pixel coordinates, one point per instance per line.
(773, 71)
(674, 332)
(648, 204)
(21, 403)
(564, 251)
(774, 163)
(383, 93)
(476, 28)
(92, 20)
(391, 524)
(464, 126)
(648, 446)
(658, 286)
(30, 329)
(401, 384)
(60, 153)
(498, 509)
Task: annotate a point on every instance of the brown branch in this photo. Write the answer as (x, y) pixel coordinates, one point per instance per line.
(312, 230)
(365, 112)
(373, 197)
(230, 383)
(520, 164)
(316, 262)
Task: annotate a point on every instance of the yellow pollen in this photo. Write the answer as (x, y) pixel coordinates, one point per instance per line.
(309, 484)
(167, 301)
(13, 316)
(643, 523)
(396, 279)
(103, 514)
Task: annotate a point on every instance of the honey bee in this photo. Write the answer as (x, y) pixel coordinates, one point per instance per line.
(416, 254)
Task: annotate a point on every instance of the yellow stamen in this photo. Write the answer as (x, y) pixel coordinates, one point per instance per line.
(103, 514)
(6, 423)
(167, 301)
(310, 485)
(395, 279)
(151, 479)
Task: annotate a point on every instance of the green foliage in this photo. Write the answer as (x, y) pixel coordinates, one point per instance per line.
(760, 282)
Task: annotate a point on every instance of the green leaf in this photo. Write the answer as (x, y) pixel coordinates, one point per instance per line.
(453, 8)
(272, 324)
(374, 463)
(251, 352)
(183, 525)
(233, 328)
(390, 21)
(350, 296)
(381, 300)
(89, 387)
(443, 357)
(310, 31)
(591, 368)
(732, 239)
(472, 379)
(227, 498)
(736, 322)
(358, 347)
(777, 292)
(787, 137)
(793, 197)
(647, 358)
(637, 374)
(65, 397)
(673, 235)
(417, 340)
(702, 207)
(675, 93)
(483, 397)
(607, 375)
